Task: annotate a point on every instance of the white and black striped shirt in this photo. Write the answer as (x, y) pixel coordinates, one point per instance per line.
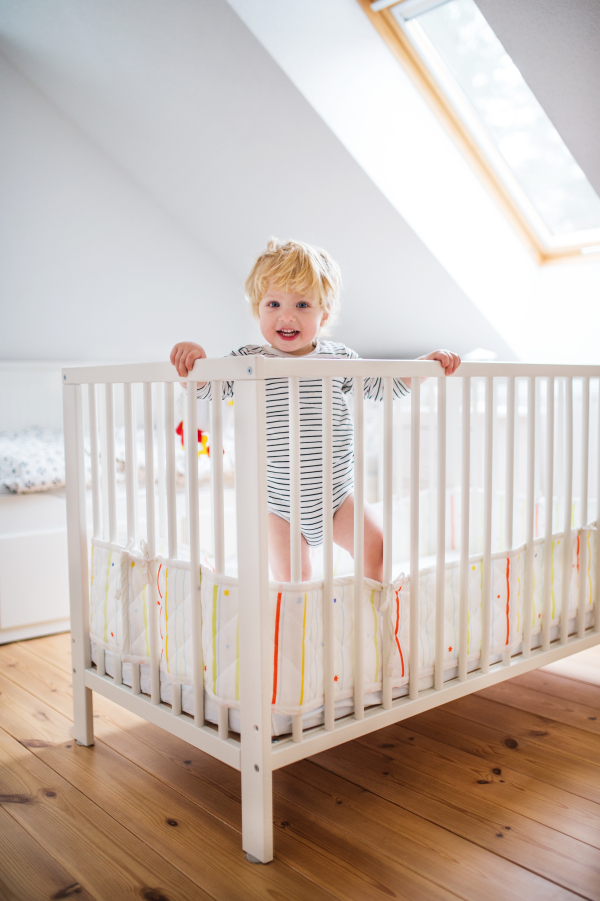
(311, 437)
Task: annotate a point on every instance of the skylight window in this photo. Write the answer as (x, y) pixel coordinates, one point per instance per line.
(484, 87)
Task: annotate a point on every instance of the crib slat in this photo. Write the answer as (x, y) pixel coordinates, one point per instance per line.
(539, 457)
(185, 525)
(568, 490)
(295, 497)
(216, 456)
(583, 562)
(529, 512)
(151, 542)
(130, 463)
(191, 446)
(597, 561)
(175, 693)
(136, 686)
(399, 465)
(465, 492)
(431, 454)
(359, 548)
(117, 669)
(171, 474)
(486, 587)
(110, 463)
(100, 662)
(223, 724)
(93, 417)
(161, 474)
(509, 488)
(497, 474)
(549, 492)
(388, 451)
(510, 463)
(559, 450)
(585, 441)
(328, 624)
(440, 565)
(415, 443)
(134, 457)
(297, 727)
(103, 465)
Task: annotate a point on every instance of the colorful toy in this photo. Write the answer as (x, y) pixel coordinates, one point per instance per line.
(202, 440)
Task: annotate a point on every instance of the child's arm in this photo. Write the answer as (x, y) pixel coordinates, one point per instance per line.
(184, 355)
(449, 361)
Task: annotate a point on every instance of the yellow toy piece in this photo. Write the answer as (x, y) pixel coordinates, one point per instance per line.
(204, 448)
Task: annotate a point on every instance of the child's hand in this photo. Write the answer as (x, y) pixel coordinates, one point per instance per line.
(184, 355)
(449, 361)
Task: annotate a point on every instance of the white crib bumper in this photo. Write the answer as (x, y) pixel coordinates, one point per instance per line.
(119, 621)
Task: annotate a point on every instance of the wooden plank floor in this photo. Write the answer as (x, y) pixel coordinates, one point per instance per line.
(494, 796)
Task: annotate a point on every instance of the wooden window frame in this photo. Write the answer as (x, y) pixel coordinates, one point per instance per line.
(429, 88)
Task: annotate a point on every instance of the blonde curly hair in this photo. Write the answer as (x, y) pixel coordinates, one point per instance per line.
(296, 267)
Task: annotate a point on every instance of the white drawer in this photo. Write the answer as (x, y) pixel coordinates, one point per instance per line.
(34, 578)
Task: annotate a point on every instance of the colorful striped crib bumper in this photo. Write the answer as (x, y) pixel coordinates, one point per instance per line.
(121, 580)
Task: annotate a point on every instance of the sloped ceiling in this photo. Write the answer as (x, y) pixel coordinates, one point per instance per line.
(556, 46)
(189, 104)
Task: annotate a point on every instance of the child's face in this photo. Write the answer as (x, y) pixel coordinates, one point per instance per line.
(290, 322)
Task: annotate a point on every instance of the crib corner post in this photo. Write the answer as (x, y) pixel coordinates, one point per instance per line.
(253, 619)
(83, 722)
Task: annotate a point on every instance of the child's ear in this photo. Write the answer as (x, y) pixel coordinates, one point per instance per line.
(324, 317)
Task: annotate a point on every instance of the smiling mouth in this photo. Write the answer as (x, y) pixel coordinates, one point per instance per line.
(288, 333)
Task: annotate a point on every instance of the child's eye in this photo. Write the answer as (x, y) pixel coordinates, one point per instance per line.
(302, 304)
(273, 303)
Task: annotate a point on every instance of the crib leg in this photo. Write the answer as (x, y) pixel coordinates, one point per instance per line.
(83, 707)
(257, 811)
(256, 679)
(78, 563)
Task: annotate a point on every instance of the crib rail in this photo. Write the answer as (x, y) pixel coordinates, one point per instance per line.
(262, 367)
(500, 457)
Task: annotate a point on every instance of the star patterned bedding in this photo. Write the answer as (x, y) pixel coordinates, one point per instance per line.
(124, 582)
(32, 460)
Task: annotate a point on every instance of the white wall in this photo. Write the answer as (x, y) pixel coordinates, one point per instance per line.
(91, 267)
(195, 118)
(145, 156)
(342, 66)
(563, 318)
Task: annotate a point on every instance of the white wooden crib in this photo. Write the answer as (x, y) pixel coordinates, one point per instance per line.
(499, 465)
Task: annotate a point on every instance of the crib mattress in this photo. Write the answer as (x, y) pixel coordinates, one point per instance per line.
(125, 581)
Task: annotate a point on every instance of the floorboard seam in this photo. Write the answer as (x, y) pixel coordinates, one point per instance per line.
(163, 782)
(488, 850)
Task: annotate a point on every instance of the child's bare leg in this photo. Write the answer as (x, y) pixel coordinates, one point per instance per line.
(279, 550)
(343, 534)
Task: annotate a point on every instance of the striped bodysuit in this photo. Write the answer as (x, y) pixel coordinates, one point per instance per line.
(311, 447)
